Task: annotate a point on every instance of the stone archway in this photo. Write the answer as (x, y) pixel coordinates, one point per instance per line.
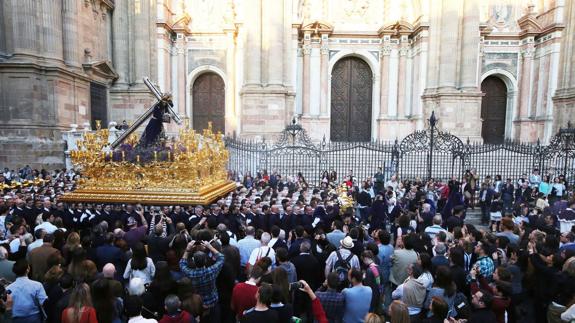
(351, 100)
(208, 102)
(493, 110)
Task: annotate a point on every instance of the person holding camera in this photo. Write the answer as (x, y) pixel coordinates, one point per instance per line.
(203, 275)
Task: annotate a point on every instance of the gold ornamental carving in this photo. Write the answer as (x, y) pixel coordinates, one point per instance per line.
(189, 169)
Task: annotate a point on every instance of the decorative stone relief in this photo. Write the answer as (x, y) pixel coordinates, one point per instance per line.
(199, 57)
(504, 61)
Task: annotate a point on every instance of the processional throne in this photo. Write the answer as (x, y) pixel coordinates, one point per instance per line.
(187, 169)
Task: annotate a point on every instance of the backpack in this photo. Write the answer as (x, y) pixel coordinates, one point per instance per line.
(249, 266)
(342, 266)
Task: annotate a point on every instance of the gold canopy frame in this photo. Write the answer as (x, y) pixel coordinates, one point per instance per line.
(188, 170)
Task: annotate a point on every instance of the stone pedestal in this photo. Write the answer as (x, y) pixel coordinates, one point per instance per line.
(390, 128)
(564, 102)
(316, 127)
(459, 112)
(265, 110)
(129, 104)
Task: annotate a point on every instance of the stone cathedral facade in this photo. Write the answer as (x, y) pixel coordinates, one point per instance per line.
(349, 70)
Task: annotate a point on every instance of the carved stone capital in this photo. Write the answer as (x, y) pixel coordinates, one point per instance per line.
(385, 50)
(528, 52)
(403, 50)
(306, 49)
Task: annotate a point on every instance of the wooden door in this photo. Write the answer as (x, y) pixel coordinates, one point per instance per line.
(98, 105)
(351, 86)
(493, 110)
(208, 102)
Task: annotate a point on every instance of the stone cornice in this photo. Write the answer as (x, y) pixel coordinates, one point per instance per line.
(19, 67)
(565, 94)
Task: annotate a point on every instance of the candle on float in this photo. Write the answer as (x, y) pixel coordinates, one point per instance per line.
(169, 156)
(138, 159)
(123, 156)
(155, 156)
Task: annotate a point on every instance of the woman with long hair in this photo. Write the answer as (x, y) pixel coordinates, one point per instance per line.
(140, 265)
(280, 278)
(81, 268)
(398, 312)
(80, 308)
(108, 308)
(72, 242)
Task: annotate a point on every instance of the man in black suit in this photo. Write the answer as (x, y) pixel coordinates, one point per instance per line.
(485, 198)
(523, 194)
(307, 266)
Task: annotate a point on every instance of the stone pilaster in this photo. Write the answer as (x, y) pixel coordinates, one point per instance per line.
(121, 50)
(564, 98)
(324, 75)
(470, 46)
(403, 50)
(450, 20)
(253, 48)
(141, 42)
(306, 50)
(274, 38)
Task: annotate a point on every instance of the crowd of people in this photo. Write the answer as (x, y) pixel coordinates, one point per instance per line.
(279, 250)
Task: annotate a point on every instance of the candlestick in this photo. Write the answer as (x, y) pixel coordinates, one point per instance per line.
(155, 156)
(123, 156)
(169, 156)
(138, 159)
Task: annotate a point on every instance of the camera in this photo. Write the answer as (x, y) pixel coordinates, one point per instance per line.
(295, 285)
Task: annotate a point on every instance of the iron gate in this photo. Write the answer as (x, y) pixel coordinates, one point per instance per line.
(429, 153)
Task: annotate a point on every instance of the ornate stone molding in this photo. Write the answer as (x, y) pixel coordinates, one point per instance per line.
(397, 29)
(316, 28)
(529, 25)
(181, 24)
(306, 49)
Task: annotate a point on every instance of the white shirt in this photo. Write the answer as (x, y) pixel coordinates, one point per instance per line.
(261, 252)
(35, 244)
(141, 319)
(47, 226)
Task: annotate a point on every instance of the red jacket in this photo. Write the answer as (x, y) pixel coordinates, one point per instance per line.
(182, 317)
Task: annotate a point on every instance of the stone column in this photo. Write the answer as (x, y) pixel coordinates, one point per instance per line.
(52, 28)
(384, 72)
(469, 50)
(253, 43)
(324, 75)
(142, 46)
(70, 28)
(120, 46)
(448, 40)
(306, 75)
(24, 25)
(401, 72)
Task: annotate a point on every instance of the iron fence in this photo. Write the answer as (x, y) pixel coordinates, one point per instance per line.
(429, 153)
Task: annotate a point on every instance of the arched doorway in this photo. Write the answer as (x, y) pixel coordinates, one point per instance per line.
(493, 110)
(351, 86)
(208, 102)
